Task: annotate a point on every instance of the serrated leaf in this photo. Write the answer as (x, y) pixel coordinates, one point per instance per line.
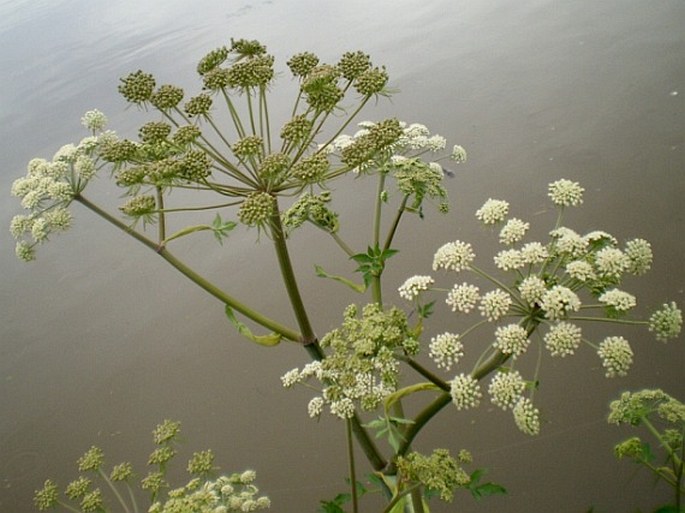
(269, 340)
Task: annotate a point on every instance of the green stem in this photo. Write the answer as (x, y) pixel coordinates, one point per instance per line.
(234, 115)
(199, 280)
(416, 501)
(399, 497)
(114, 490)
(376, 289)
(492, 363)
(278, 235)
(425, 372)
(346, 123)
(606, 319)
(161, 227)
(373, 455)
(395, 223)
(350, 458)
(662, 442)
(262, 96)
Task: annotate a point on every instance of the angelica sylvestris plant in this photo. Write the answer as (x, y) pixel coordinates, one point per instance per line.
(222, 150)
(204, 493)
(663, 417)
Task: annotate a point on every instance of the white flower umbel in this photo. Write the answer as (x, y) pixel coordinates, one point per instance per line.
(527, 416)
(616, 355)
(566, 193)
(534, 253)
(445, 350)
(639, 252)
(493, 211)
(343, 408)
(463, 297)
(494, 304)
(458, 154)
(454, 256)
(618, 299)
(509, 260)
(315, 407)
(563, 339)
(580, 270)
(511, 339)
(666, 322)
(531, 289)
(513, 231)
(465, 392)
(611, 262)
(413, 286)
(569, 242)
(94, 120)
(506, 388)
(559, 301)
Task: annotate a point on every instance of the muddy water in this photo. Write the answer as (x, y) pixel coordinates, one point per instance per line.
(101, 340)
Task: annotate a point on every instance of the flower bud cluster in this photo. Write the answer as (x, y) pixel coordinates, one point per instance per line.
(167, 97)
(49, 187)
(302, 64)
(438, 472)
(361, 368)
(256, 209)
(311, 169)
(353, 64)
(137, 87)
(311, 208)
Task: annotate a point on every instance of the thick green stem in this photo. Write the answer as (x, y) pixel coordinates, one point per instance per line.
(278, 235)
(376, 289)
(202, 282)
(395, 223)
(350, 459)
(114, 490)
(373, 455)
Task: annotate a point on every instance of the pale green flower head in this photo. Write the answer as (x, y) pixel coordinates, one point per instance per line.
(439, 472)
(166, 432)
(46, 498)
(532, 289)
(566, 193)
(93, 460)
(92, 501)
(201, 463)
(78, 488)
(559, 301)
(458, 154)
(666, 322)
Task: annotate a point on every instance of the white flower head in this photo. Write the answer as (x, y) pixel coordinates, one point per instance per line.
(531, 289)
(493, 211)
(454, 256)
(506, 388)
(436, 143)
(94, 120)
(611, 262)
(639, 252)
(458, 154)
(511, 339)
(463, 297)
(343, 408)
(513, 231)
(527, 416)
(563, 339)
(445, 350)
(558, 301)
(494, 304)
(413, 286)
(315, 407)
(509, 259)
(580, 270)
(534, 253)
(667, 321)
(568, 241)
(566, 193)
(618, 299)
(465, 392)
(616, 355)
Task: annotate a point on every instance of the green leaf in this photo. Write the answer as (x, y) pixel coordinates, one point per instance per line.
(221, 228)
(478, 490)
(269, 340)
(340, 279)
